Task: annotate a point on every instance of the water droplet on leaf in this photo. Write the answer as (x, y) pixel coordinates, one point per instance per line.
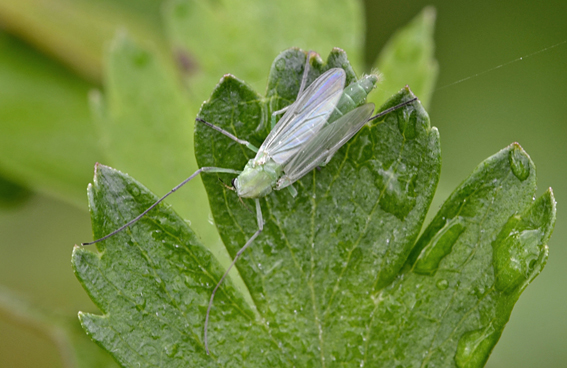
(397, 184)
(473, 347)
(171, 350)
(439, 246)
(519, 163)
(407, 123)
(133, 190)
(515, 252)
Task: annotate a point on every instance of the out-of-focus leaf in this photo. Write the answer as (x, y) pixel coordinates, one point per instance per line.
(146, 123)
(47, 141)
(12, 194)
(258, 31)
(76, 31)
(75, 348)
(407, 59)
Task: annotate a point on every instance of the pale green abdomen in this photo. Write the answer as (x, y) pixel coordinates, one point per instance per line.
(353, 96)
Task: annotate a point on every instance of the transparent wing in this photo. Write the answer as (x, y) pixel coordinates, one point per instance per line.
(321, 148)
(305, 117)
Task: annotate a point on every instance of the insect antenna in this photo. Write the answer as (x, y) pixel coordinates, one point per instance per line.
(389, 110)
(227, 186)
(134, 220)
(245, 205)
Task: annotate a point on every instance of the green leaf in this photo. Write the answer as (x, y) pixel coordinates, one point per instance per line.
(12, 194)
(323, 255)
(145, 125)
(47, 141)
(76, 350)
(338, 276)
(153, 282)
(486, 244)
(410, 157)
(258, 31)
(408, 59)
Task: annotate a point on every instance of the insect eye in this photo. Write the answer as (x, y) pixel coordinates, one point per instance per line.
(233, 182)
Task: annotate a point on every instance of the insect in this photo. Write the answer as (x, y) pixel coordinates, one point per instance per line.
(323, 118)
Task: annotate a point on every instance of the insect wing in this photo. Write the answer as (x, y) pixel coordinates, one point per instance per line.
(305, 118)
(321, 148)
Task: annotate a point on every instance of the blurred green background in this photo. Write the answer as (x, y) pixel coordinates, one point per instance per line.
(51, 57)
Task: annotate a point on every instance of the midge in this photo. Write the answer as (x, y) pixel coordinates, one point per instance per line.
(323, 118)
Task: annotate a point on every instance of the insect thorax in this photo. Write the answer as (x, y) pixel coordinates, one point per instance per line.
(257, 179)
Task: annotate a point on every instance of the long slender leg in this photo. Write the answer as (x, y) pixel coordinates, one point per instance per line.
(248, 243)
(305, 74)
(302, 86)
(276, 113)
(201, 170)
(229, 135)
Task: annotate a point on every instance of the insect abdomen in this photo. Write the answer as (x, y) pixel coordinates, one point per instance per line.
(353, 96)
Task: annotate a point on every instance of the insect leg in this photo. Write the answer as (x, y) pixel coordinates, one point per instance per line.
(229, 135)
(305, 73)
(301, 88)
(276, 113)
(131, 222)
(238, 254)
(292, 190)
